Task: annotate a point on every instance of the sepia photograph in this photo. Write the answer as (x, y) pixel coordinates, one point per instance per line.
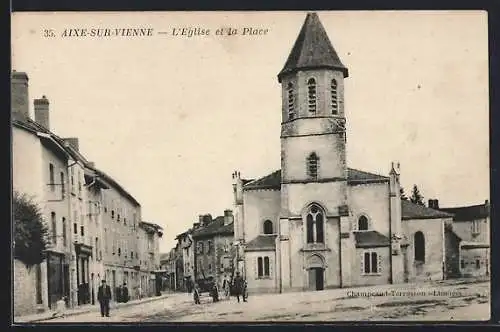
(260, 166)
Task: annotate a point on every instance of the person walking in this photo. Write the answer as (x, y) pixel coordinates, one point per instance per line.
(125, 295)
(196, 294)
(104, 296)
(238, 285)
(245, 291)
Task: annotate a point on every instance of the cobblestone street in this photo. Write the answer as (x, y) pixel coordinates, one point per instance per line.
(446, 301)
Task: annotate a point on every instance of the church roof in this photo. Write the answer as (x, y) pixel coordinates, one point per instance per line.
(312, 49)
(468, 213)
(261, 242)
(411, 210)
(354, 176)
(371, 239)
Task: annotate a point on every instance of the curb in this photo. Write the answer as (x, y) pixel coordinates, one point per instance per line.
(95, 309)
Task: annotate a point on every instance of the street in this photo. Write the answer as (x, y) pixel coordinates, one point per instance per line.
(438, 301)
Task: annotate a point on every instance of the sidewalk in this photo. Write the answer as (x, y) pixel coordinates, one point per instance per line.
(82, 310)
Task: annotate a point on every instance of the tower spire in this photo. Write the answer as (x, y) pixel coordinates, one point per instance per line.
(312, 49)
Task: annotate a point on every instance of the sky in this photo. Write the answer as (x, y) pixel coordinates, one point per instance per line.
(171, 117)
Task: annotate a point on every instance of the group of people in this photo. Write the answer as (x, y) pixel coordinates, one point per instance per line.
(239, 289)
(104, 296)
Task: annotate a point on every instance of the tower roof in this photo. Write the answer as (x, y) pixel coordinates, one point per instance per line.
(312, 49)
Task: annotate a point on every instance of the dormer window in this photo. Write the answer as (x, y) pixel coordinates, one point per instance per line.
(291, 102)
(311, 95)
(333, 90)
(313, 165)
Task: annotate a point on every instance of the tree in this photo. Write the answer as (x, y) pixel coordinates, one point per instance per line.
(402, 194)
(30, 231)
(416, 196)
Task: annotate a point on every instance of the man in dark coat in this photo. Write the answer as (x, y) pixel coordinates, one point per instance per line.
(104, 296)
(125, 296)
(238, 285)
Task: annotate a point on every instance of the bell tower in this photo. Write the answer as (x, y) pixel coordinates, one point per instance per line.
(313, 145)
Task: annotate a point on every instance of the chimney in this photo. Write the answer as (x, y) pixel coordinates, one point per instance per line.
(206, 219)
(42, 112)
(19, 96)
(433, 204)
(196, 225)
(200, 219)
(228, 217)
(73, 141)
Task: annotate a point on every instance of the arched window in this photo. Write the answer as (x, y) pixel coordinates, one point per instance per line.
(315, 222)
(312, 165)
(311, 95)
(333, 90)
(363, 223)
(419, 246)
(268, 227)
(54, 227)
(291, 106)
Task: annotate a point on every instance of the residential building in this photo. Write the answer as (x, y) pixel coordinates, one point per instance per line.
(213, 240)
(149, 257)
(185, 244)
(316, 223)
(92, 220)
(471, 224)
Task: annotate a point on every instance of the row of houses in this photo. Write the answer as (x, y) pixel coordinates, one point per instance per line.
(95, 225)
(205, 251)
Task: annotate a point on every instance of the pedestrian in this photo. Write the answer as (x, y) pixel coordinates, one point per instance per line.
(125, 296)
(225, 287)
(119, 292)
(238, 286)
(245, 291)
(196, 294)
(104, 296)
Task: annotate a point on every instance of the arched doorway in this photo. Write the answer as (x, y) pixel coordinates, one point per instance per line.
(316, 272)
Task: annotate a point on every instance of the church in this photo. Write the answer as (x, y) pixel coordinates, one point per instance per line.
(315, 223)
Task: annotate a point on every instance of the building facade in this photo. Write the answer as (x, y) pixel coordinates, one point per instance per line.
(212, 245)
(185, 244)
(92, 220)
(316, 223)
(471, 224)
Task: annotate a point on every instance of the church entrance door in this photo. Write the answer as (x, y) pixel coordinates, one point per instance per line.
(316, 278)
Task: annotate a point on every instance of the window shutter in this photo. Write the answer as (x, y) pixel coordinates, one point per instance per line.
(379, 263)
(256, 266)
(271, 267)
(362, 262)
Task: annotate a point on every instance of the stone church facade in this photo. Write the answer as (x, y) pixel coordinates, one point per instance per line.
(316, 223)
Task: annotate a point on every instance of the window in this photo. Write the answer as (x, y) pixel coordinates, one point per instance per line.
(209, 268)
(79, 182)
(314, 225)
(419, 247)
(54, 227)
(478, 264)
(72, 179)
(370, 263)
(209, 246)
(51, 176)
(333, 90)
(63, 186)
(112, 214)
(97, 248)
(118, 217)
(475, 227)
(263, 267)
(124, 221)
(313, 165)
(363, 223)
(200, 248)
(75, 228)
(311, 95)
(82, 231)
(462, 264)
(119, 251)
(291, 106)
(106, 242)
(64, 235)
(268, 227)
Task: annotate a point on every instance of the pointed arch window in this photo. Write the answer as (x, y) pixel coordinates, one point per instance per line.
(419, 246)
(268, 227)
(311, 95)
(333, 90)
(313, 165)
(315, 225)
(291, 101)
